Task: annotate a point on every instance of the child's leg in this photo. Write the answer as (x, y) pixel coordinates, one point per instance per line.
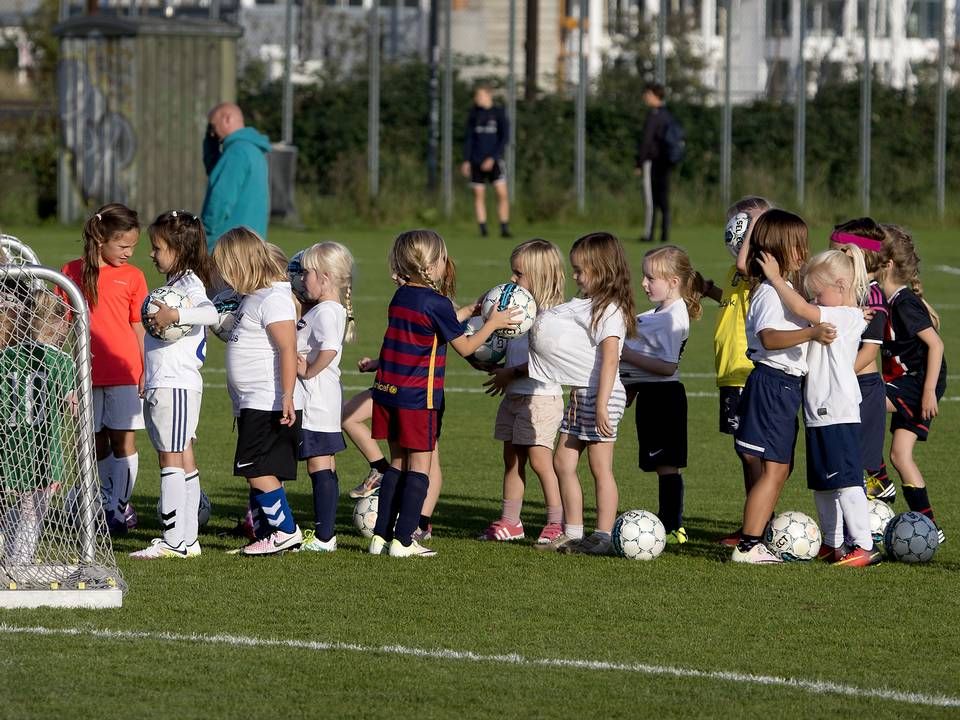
(29, 526)
(914, 486)
(414, 487)
(856, 516)
(600, 455)
(356, 413)
(191, 509)
(326, 492)
(752, 470)
(831, 517)
(565, 460)
(480, 203)
(514, 482)
(272, 501)
(541, 461)
(126, 463)
(762, 500)
(433, 492)
(671, 497)
(173, 497)
(388, 503)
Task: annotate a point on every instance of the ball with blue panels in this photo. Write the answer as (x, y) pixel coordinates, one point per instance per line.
(227, 302)
(295, 273)
(510, 296)
(494, 348)
(911, 537)
(171, 297)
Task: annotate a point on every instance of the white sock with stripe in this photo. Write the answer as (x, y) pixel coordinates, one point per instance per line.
(856, 516)
(124, 476)
(191, 509)
(173, 498)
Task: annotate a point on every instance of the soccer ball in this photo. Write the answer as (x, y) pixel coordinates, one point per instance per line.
(227, 302)
(365, 515)
(171, 297)
(510, 295)
(911, 537)
(735, 232)
(880, 515)
(793, 536)
(295, 273)
(638, 535)
(203, 513)
(494, 348)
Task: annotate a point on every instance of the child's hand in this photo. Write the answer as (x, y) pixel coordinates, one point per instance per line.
(769, 265)
(929, 408)
(163, 317)
(824, 333)
(508, 317)
(499, 379)
(868, 313)
(603, 422)
(289, 412)
(366, 364)
(301, 366)
(468, 311)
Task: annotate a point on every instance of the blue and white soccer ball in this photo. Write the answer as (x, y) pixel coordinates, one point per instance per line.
(172, 297)
(793, 536)
(365, 514)
(911, 537)
(203, 513)
(227, 302)
(510, 295)
(295, 273)
(880, 516)
(638, 535)
(494, 348)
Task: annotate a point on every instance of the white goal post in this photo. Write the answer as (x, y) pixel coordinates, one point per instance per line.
(55, 550)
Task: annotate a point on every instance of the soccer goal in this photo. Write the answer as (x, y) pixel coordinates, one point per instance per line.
(55, 550)
(14, 251)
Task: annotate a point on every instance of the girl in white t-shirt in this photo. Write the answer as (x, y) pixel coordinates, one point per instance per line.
(261, 363)
(837, 282)
(173, 387)
(649, 369)
(328, 280)
(529, 414)
(578, 344)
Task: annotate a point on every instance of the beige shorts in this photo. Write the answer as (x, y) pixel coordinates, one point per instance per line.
(529, 419)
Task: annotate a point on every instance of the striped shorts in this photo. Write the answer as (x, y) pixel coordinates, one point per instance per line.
(580, 414)
(171, 416)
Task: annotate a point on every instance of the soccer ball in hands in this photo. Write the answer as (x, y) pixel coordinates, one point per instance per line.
(880, 515)
(172, 297)
(793, 536)
(735, 232)
(295, 273)
(494, 348)
(638, 535)
(365, 515)
(911, 537)
(227, 302)
(510, 296)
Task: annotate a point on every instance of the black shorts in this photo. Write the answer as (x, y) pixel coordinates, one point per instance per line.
(661, 409)
(729, 415)
(830, 464)
(906, 394)
(873, 414)
(498, 173)
(264, 446)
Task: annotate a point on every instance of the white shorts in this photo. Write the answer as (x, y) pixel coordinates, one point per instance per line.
(172, 415)
(117, 407)
(580, 414)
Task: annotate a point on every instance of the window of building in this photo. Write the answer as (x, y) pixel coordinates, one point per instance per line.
(923, 18)
(825, 17)
(778, 18)
(881, 17)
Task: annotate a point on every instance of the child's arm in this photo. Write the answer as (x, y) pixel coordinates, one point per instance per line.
(323, 359)
(609, 365)
(708, 288)
(823, 333)
(139, 331)
(647, 363)
(366, 364)
(500, 378)
(791, 299)
(928, 404)
(498, 320)
(865, 355)
(283, 336)
(468, 311)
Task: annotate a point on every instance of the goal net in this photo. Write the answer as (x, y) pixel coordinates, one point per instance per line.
(54, 546)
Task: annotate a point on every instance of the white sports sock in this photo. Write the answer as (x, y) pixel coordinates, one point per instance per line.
(574, 532)
(856, 515)
(33, 510)
(173, 498)
(831, 518)
(191, 509)
(124, 476)
(104, 468)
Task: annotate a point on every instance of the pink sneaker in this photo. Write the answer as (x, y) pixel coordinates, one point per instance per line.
(550, 532)
(502, 531)
(275, 543)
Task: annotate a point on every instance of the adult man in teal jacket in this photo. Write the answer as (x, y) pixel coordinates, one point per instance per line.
(238, 190)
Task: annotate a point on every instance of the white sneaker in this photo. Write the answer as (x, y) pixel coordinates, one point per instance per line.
(159, 549)
(759, 554)
(193, 549)
(414, 549)
(314, 544)
(378, 546)
(275, 543)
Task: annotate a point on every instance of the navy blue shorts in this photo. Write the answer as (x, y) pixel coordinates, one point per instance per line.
(906, 394)
(768, 411)
(873, 413)
(831, 461)
(661, 425)
(315, 444)
(729, 404)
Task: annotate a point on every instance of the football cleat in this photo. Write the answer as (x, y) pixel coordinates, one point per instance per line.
(312, 543)
(159, 549)
(378, 546)
(414, 549)
(858, 557)
(759, 554)
(677, 537)
(275, 543)
(595, 544)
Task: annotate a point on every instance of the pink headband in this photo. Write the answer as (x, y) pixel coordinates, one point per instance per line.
(861, 242)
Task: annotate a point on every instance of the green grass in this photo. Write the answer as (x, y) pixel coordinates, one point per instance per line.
(893, 626)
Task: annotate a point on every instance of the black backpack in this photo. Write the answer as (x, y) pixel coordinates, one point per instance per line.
(674, 141)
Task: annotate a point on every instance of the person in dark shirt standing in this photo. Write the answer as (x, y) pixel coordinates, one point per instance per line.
(487, 133)
(652, 163)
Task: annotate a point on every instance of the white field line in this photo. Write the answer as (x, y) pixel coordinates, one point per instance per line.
(815, 687)
(947, 269)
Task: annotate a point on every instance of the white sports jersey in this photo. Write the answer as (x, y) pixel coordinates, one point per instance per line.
(831, 393)
(253, 364)
(518, 353)
(768, 313)
(177, 364)
(565, 349)
(322, 328)
(661, 334)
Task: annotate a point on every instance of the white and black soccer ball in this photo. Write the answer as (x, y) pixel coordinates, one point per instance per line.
(510, 295)
(494, 348)
(638, 535)
(203, 513)
(735, 232)
(365, 514)
(911, 537)
(172, 297)
(880, 516)
(793, 536)
(227, 302)
(295, 273)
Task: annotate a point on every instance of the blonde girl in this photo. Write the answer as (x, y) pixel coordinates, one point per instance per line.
(321, 333)
(529, 414)
(649, 368)
(408, 389)
(578, 343)
(114, 290)
(913, 365)
(261, 364)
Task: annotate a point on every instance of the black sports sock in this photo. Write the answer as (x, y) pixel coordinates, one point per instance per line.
(747, 542)
(505, 230)
(917, 500)
(381, 465)
(326, 491)
(424, 522)
(483, 229)
(385, 515)
(671, 501)
(414, 493)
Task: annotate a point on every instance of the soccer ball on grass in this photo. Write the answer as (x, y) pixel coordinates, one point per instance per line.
(911, 537)
(793, 536)
(638, 535)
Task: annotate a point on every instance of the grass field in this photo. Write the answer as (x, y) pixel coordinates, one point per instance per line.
(488, 630)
